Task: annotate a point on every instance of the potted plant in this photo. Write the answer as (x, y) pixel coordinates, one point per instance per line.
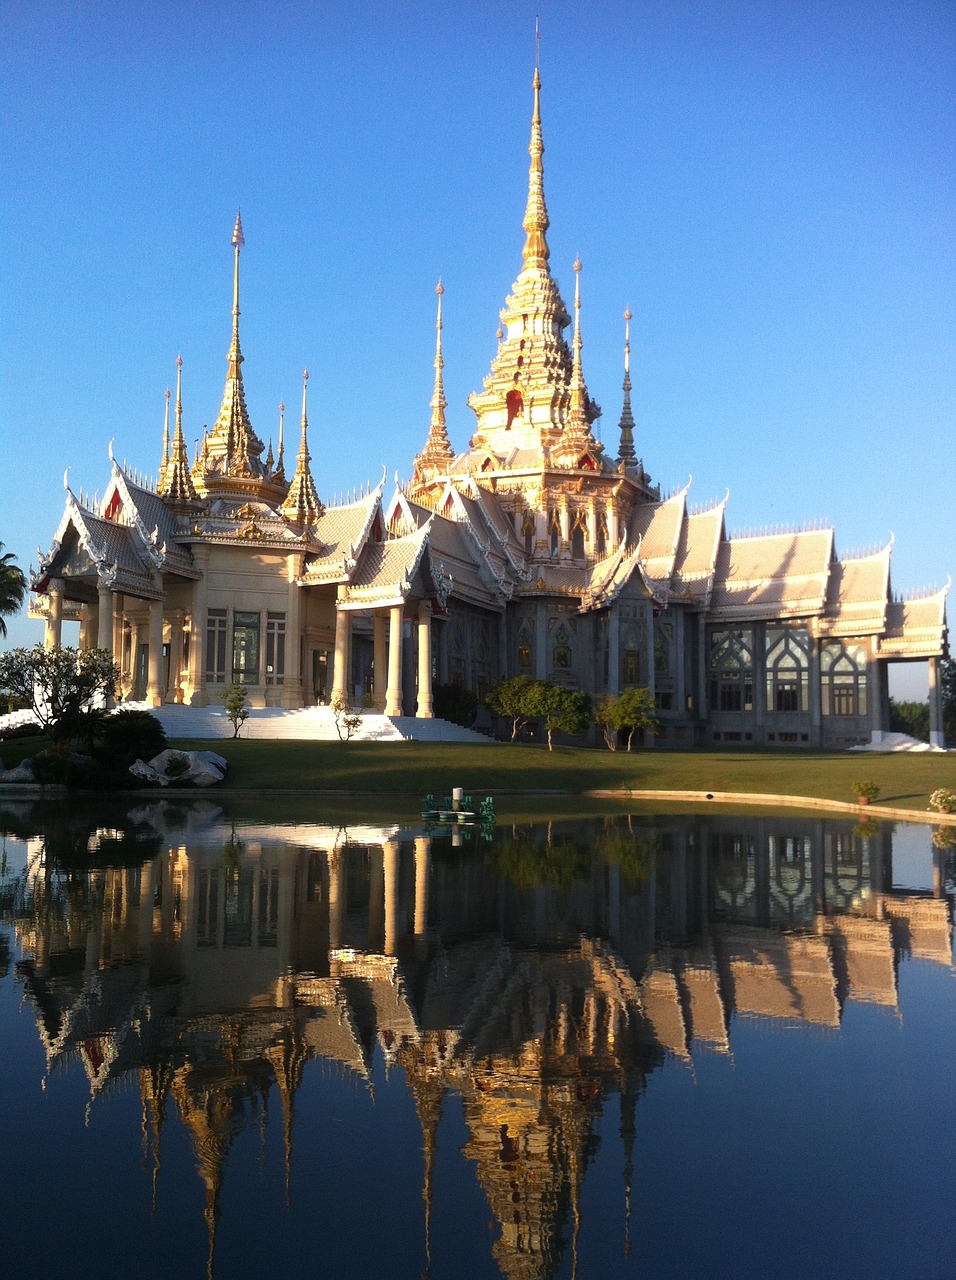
(865, 790)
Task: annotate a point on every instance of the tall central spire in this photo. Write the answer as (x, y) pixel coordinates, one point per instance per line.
(233, 450)
(536, 223)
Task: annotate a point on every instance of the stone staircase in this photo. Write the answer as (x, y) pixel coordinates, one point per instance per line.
(313, 724)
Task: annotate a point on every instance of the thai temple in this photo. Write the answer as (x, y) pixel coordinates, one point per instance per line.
(533, 551)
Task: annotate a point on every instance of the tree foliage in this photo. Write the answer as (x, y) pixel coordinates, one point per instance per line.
(626, 712)
(234, 699)
(66, 689)
(911, 718)
(562, 710)
(948, 683)
(13, 587)
(512, 700)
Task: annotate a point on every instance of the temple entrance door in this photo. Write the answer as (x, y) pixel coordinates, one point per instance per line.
(321, 664)
(141, 676)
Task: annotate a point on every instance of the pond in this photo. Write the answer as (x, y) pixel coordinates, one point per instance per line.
(647, 1045)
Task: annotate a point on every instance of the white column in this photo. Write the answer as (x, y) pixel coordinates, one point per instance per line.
(936, 732)
(53, 632)
(154, 689)
(380, 659)
(174, 692)
(196, 680)
(340, 666)
(393, 694)
(292, 677)
(424, 709)
(104, 621)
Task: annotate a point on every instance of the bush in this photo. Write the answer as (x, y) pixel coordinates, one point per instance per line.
(865, 790)
(943, 801)
(130, 735)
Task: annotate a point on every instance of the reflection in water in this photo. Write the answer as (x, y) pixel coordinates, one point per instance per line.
(533, 977)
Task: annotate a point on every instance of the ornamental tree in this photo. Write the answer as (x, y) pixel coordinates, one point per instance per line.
(563, 710)
(513, 700)
(628, 711)
(66, 689)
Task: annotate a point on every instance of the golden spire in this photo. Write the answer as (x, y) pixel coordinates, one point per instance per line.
(280, 455)
(439, 404)
(577, 377)
(232, 449)
(626, 454)
(438, 454)
(302, 505)
(535, 252)
(165, 463)
(178, 487)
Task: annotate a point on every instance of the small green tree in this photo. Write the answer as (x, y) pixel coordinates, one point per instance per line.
(513, 700)
(347, 719)
(625, 712)
(66, 689)
(234, 699)
(563, 710)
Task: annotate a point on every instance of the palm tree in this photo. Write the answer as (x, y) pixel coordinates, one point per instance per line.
(13, 587)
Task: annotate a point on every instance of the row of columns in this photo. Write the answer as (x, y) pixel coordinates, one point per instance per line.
(387, 659)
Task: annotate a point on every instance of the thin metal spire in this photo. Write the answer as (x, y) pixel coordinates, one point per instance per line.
(626, 452)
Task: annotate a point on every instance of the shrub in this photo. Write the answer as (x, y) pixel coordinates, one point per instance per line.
(455, 703)
(943, 800)
(865, 789)
(130, 735)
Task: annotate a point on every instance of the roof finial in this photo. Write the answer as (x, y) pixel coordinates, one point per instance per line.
(178, 487)
(302, 504)
(165, 462)
(439, 404)
(239, 241)
(577, 376)
(536, 252)
(438, 454)
(626, 452)
(281, 451)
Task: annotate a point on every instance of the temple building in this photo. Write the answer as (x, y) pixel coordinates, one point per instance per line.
(532, 552)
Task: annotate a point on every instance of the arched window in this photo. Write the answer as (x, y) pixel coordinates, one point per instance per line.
(562, 650)
(788, 669)
(579, 534)
(732, 670)
(843, 678)
(527, 532)
(554, 531)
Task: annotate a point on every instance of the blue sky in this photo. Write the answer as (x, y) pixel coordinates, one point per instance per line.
(770, 187)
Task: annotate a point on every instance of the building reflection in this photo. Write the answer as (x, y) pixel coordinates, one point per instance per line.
(534, 978)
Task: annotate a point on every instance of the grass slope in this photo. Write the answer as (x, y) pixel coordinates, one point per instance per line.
(410, 769)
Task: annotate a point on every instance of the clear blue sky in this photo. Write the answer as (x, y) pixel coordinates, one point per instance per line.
(771, 187)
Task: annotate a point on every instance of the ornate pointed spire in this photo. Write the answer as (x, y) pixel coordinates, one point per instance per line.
(233, 449)
(179, 488)
(576, 440)
(535, 224)
(626, 455)
(302, 505)
(165, 462)
(280, 455)
(437, 456)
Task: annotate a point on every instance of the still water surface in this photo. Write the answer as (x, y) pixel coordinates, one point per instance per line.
(636, 1047)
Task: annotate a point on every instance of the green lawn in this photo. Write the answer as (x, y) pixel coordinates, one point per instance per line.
(406, 771)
